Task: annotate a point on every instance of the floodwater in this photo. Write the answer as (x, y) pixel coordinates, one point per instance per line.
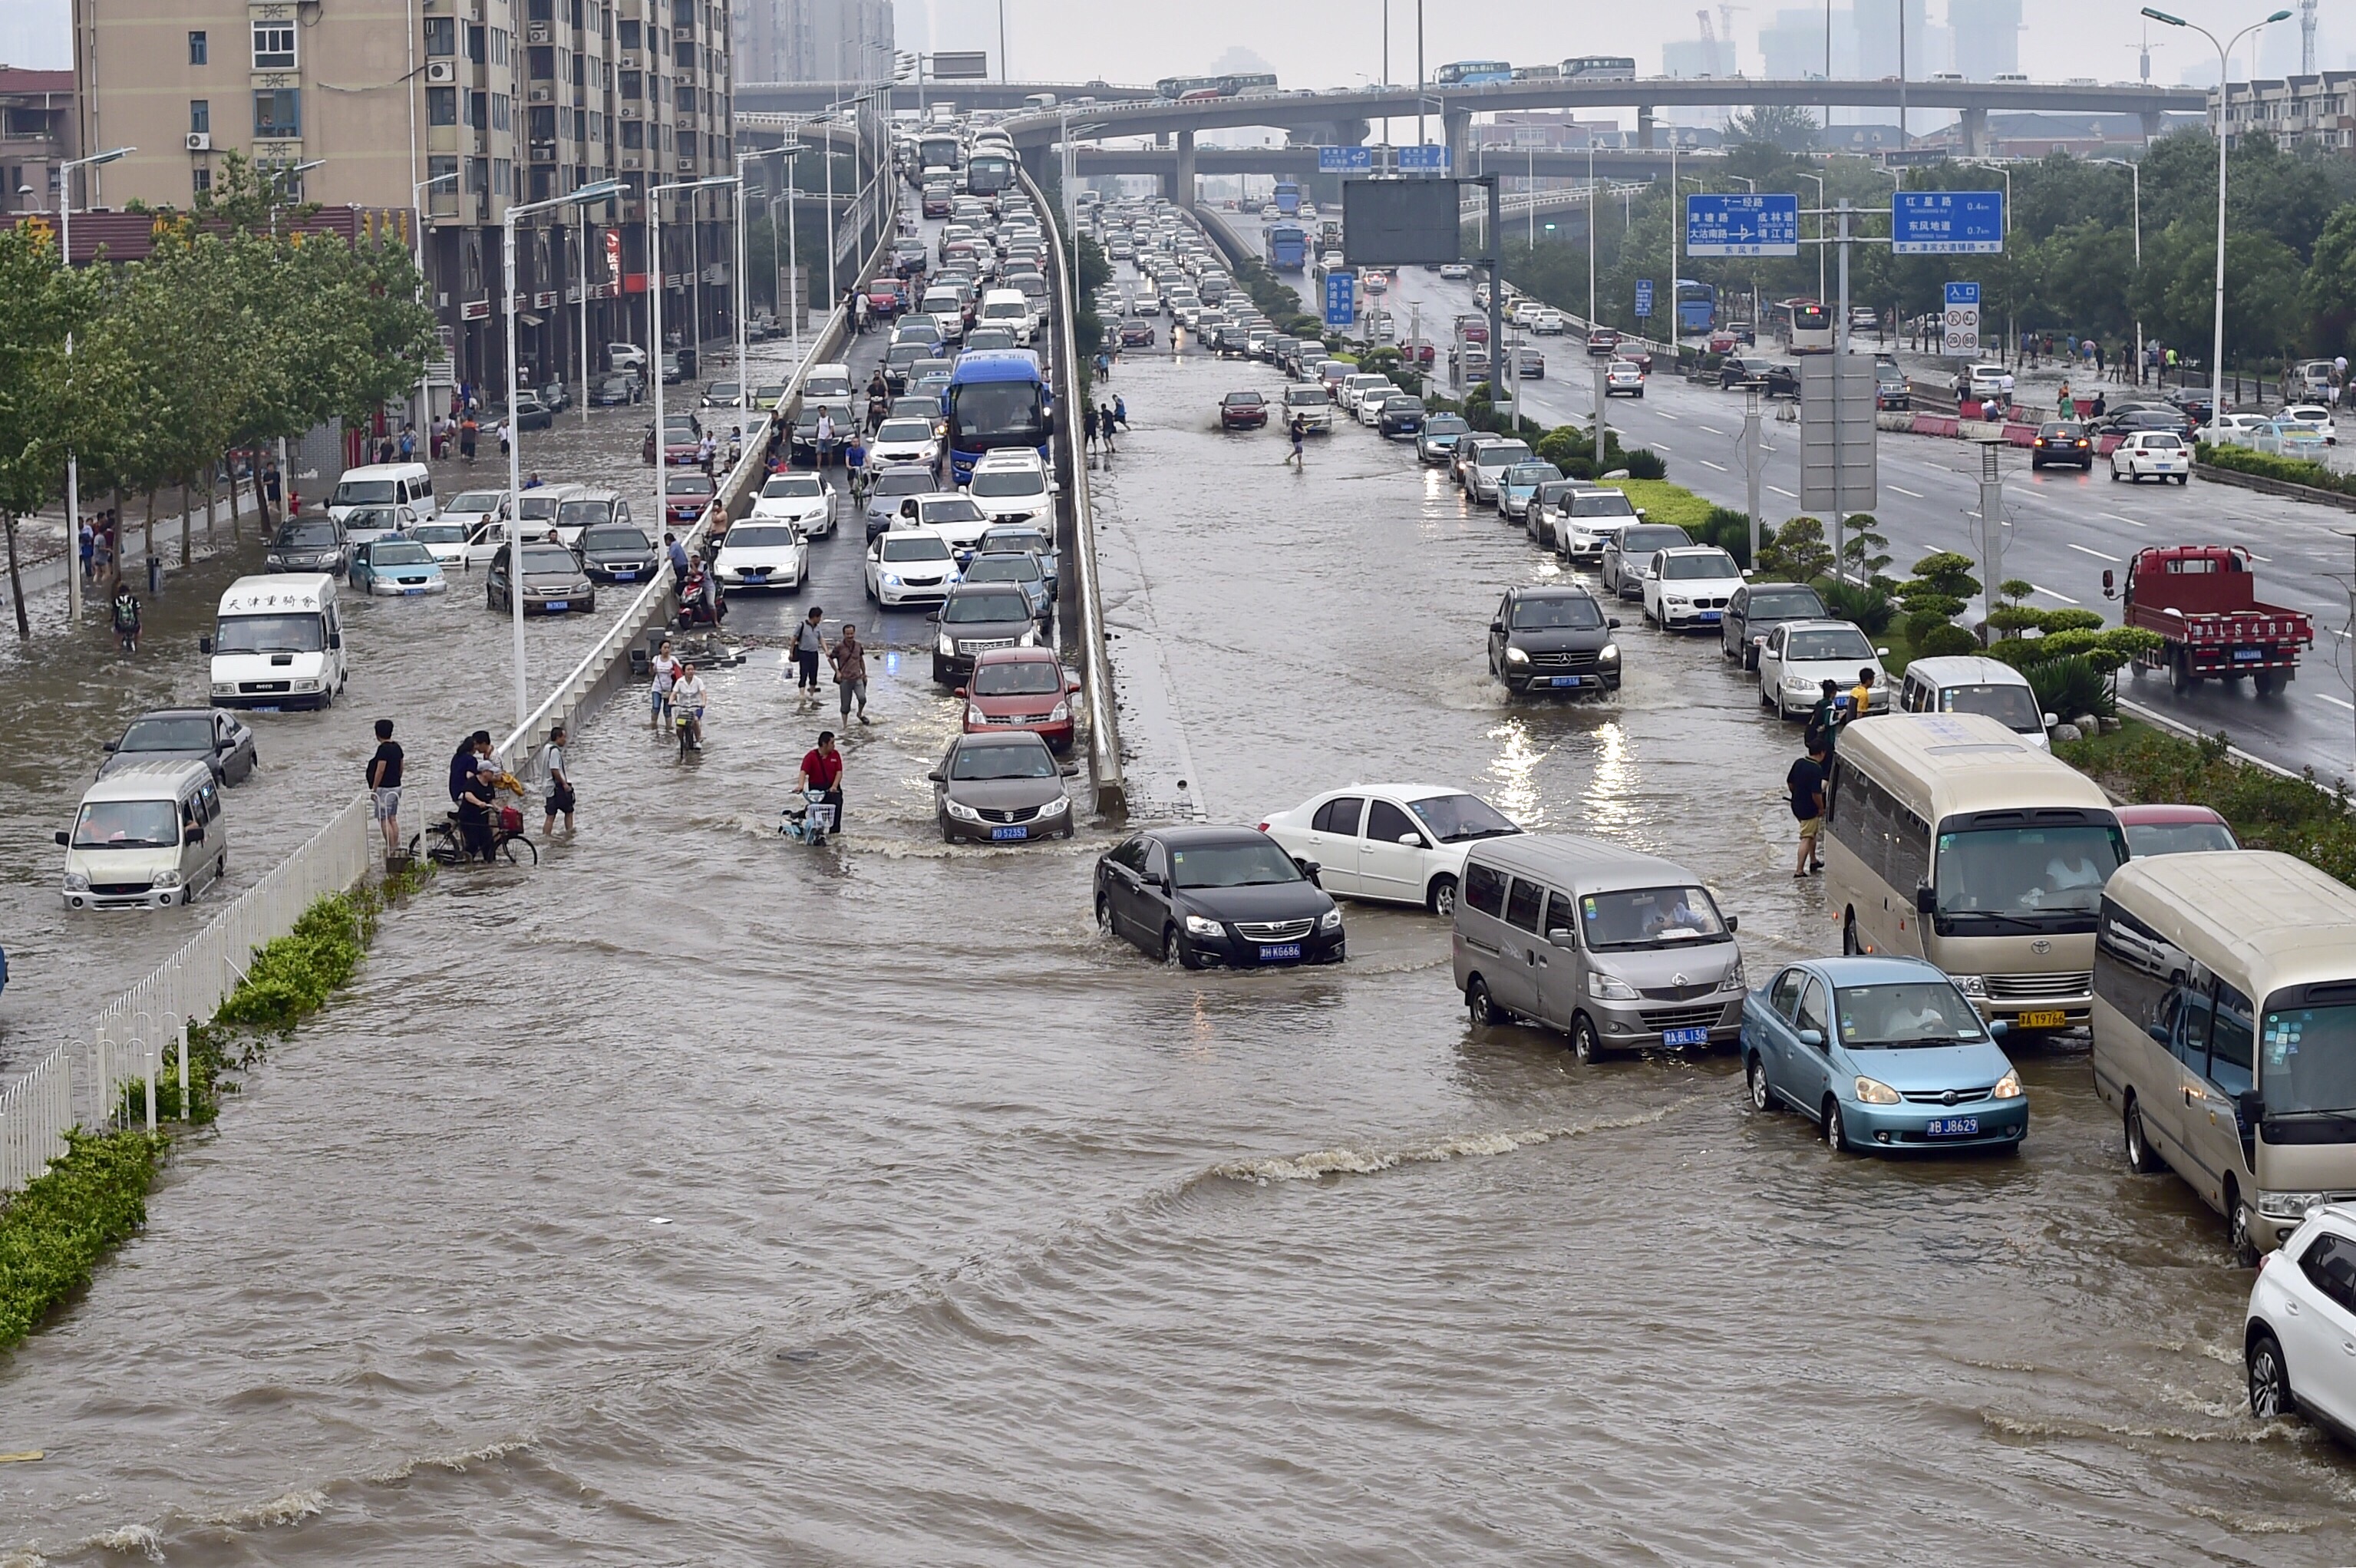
(699, 1198)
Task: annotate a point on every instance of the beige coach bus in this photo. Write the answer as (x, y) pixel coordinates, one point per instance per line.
(1950, 838)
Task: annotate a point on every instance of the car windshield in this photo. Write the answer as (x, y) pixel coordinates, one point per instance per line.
(2058, 431)
(2306, 1060)
(2146, 839)
(1527, 473)
(1004, 762)
(538, 508)
(269, 634)
(1907, 1014)
(1783, 604)
(2015, 707)
(477, 500)
(1685, 568)
(400, 553)
(438, 533)
(1995, 879)
(1643, 539)
(580, 514)
(972, 609)
(169, 735)
(308, 535)
(1008, 568)
(894, 431)
(1600, 503)
(949, 509)
(998, 539)
(898, 482)
(616, 539)
(688, 484)
(999, 412)
(1459, 818)
(363, 492)
(1020, 678)
(759, 536)
(916, 408)
(128, 825)
(372, 517)
(1574, 612)
(914, 547)
(1649, 918)
(2162, 444)
(1305, 397)
(793, 487)
(1445, 424)
(1250, 864)
(1244, 400)
(544, 558)
(1845, 643)
(1505, 454)
(1008, 482)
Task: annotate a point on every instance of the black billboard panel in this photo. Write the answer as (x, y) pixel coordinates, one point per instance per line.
(1402, 223)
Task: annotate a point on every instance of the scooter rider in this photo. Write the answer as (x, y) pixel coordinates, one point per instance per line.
(822, 771)
(687, 696)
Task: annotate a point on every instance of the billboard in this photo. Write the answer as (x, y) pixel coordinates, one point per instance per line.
(966, 65)
(1402, 223)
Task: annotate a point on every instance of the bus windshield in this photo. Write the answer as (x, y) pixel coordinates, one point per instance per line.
(2045, 879)
(983, 414)
(2307, 1061)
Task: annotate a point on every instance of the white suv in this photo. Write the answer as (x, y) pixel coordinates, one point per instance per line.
(1012, 486)
(2302, 1322)
(1689, 587)
(1985, 382)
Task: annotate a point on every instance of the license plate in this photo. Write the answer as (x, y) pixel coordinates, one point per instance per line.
(555, 605)
(2053, 1019)
(1684, 1036)
(1010, 833)
(1711, 615)
(1282, 950)
(407, 592)
(1564, 682)
(1952, 1126)
(2249, 655)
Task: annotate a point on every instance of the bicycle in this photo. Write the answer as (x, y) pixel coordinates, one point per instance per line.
(449, 846)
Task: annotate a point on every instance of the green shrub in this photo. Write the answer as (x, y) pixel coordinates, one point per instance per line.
(1796, 553)
(1643, 462)
(53, 1233)
(2069, 687)
(2297, 816)
(1729, 531)
(1942, 639)
(2289, 470)
(1870, 607)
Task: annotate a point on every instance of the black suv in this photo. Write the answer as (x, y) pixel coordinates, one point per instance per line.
(1768, 376)
(1553, 640)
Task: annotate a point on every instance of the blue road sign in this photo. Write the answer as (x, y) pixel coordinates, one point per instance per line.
(1432, 160)
(1643, 296)
(1344, 160)
(1963, 294)
(1341, 299)
(1947, 222)
(1743, 225)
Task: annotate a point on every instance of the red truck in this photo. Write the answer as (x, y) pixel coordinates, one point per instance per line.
(2202, 599)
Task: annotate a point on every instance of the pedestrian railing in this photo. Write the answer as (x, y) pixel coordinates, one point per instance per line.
(35, 1112)
(1079, 543)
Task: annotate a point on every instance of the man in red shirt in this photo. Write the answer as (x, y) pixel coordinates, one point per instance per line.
(822, 771)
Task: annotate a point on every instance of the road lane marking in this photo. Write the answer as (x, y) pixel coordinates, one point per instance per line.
(2131, 522)
(1713, 429)
(1708, 464)
(1664, 413)
(2051, 595)
(1785, 493)
(2096, 553)
(1902, 490)
(2341, 702)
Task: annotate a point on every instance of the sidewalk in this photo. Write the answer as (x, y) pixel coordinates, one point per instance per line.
(43, 560)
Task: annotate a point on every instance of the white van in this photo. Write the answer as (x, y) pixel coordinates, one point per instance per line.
(278, 642)
(147, 836)
(1969, 683)
(947, 307)
(1007, 308)
(384, 483)
(827, 384)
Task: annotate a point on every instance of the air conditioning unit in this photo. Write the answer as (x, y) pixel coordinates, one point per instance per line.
(630, 160)
(200, 141)
(687, 165)
(441, 73)
(538, 33)
(633, 112)
(543, 94)
(629, 62)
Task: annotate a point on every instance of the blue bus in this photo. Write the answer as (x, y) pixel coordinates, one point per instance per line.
(1473, 73)
(1288, 247)
(996, 398)
(1287, 197)
(1696, 306)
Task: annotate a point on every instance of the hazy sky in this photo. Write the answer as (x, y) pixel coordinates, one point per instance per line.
(1337, 43)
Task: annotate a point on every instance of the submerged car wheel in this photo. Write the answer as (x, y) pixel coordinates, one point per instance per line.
(1442, 899)
(1173, 950)
(1835, 1133)
(2269, 1380)
(2141, 1157)
(1478, 1003)
(1755, 1074)
(1583, 1042)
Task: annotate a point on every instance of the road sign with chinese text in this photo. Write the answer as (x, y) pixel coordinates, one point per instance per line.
(1743, 225)
(1947, 222)
(1959, 326)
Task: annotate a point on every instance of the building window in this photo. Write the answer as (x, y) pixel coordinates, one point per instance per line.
(476, 44)
(541, 11)
(685, 55)
(278, 114)
(201, 180)
(682, 13)
(625, 33)
(543, 62)
(501, 111)
(686, 99)
(443, 189)
(579, 70)
(634, 135)
(581, 124)
(499, 185)
(274, 46)
(440, 35)
(200, 115)
(632, 83)
(197, 53)
(478, 176)
(478, 111)
(544, 123)
(498, 45)
(440, 106)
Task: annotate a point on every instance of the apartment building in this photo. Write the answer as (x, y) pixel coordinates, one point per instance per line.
(814, 40)
(37, 135)
(2318, 111)
(454, 110)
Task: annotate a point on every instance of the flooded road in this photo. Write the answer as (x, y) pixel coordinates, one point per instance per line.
(701, 1197)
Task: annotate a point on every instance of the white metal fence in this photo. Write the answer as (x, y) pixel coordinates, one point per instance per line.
(35, 1112)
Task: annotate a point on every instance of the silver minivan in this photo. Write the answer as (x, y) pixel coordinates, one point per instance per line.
(1620, 951)
(147, 837)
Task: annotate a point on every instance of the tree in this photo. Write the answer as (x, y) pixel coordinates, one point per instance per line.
(2329, 294)
(40, 304)
(1784, 126)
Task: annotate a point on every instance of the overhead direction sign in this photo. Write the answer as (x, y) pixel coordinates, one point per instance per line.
(1341, 299)
(1643, 296)
(1947, 222)
(1344, 160)
(1741, 225)
(1959, 326)
(1430, 160)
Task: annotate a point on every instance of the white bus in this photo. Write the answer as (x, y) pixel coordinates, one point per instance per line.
(1950, 838)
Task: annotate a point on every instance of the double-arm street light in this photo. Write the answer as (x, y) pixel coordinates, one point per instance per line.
(2224, 74)
(73, 463)
(604, 190)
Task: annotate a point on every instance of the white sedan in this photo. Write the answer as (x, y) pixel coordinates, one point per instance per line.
(491, 539)
(760, 554)
(1800, 656)
(1690, 587)
(905, 441)
(1012, 491)
(803, 500)
(2317, 415)
(1623, 378)
(2158, 453)
(1354, 388)
(909, 566)
(1548, 322)
(1397, 843)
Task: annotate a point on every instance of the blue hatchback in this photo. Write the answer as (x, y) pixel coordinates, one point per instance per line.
(1884, 1054)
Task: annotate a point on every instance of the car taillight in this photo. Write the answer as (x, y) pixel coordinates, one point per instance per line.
(1262, 828)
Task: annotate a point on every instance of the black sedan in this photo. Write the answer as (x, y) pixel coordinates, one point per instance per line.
(530, 413)
(1768, 376)
(1001, 788)
(1196, 895)
(617, 391)
(617, 553)
(219, 740)
(978, 617)
(2065, 442)
(1243, 411)
(1400, 416)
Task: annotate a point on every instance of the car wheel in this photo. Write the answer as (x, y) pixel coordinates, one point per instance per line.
(1835, 1133)
(1441, 899)
(1483, 1010)
(2269, 1380)
(1584, 1045)
(2183, 478)
(2142, 1158)
(1754, 1075)
(2244, 1245)
(1174, 950)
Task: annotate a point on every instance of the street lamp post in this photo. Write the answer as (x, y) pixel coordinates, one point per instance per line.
(2225, 72)
(2135, 174)
(417, 255)
(655, 292)
(1819, 180)
(73, 463)
(601, 191)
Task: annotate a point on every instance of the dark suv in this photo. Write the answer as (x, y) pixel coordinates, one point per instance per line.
(1554, 638)
(1768, 376)
(976, 618)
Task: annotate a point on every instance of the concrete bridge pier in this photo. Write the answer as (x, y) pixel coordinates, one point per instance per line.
(1645, 127)
(1456, 130)
(1182, 183)
(1975, 130)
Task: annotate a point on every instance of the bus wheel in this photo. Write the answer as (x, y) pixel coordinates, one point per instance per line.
(1850, 944)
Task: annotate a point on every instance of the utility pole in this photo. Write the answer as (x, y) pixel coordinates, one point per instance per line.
(1494, 247)
(1602, 401)
(1751, 466)
(1991, 524)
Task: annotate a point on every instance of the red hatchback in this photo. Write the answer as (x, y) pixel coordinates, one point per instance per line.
(1013, 689)
(883, 298)
(2174, 830)
(1243, 411)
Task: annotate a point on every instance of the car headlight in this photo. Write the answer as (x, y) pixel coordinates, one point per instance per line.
(1196, 926)
(1515, 656)
(1056, 807)
(962, 813)
(2008, 1087)
(1798, 684)
(974, 715)
(1734, 980)
(1609, 987)
(167, 878)
(77, 883)
(1030, 639)
(224, 688)
(1679, 602)
(947, 645)
(890, 580)
(1873, 1092)
(1971, 984)
(1060, 713)
(2289, 1205)
(1608, 654)
(307, 685)
(1331, 920)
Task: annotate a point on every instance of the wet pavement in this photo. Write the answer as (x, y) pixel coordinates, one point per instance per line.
(704, 1197)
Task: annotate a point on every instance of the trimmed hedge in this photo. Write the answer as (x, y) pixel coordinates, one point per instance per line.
(2289, 470)
(2297, 816)
(53, 1233)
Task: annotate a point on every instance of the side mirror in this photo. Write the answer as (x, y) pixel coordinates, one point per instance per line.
(334, 640)
(1414, 839)
(2110, 583)
(2156, 1031)
(1611, 623)
(195, 833)
(112, 745)
(1153, 879)
(205, 643)
(1747, 571)
(1497, 626)
(1881, 653)
(1733, 924)
(933, 616)
(1071, 770)
(1812, 1037)
(1563, 936)
(60, 838)
(959, 691)
(2249, 1106)
(1997, 1028)
(1926, 900)
(2049, 719)
(1308, 868)
(1071, 683)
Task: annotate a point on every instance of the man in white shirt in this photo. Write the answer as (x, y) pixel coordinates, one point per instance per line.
(560, 784)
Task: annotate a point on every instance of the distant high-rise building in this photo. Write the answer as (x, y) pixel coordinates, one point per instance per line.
(1699, 57)
(1987, 37)
(1878, 42)
(815, 41)
(1792, 46)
